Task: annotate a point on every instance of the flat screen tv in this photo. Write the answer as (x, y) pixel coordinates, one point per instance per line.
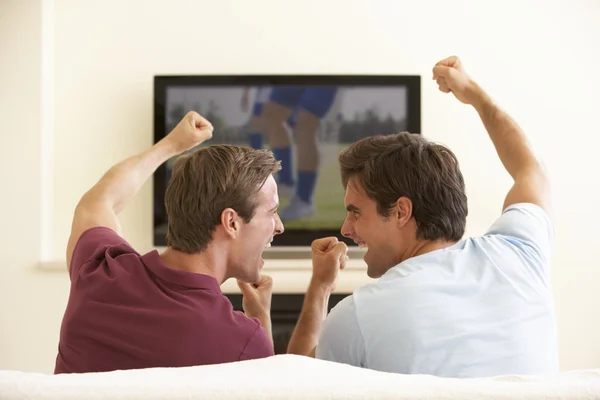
(312, 119)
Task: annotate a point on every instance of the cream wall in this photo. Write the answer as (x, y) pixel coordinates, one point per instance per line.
(538, 59)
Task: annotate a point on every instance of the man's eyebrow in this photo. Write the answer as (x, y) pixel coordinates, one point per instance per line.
(352, 207)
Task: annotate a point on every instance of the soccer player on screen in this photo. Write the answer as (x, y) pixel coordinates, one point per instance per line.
(308, 106)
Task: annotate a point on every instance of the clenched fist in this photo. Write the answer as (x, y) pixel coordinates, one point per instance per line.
(452, 78)
(191, 131)
(328, 257)
(256, 299)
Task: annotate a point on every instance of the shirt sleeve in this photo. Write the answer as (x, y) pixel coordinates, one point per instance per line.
(92, 243)
(341, 339)
(527, 227)
(259, 345)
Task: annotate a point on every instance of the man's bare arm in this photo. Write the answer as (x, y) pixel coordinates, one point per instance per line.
(531, 184)
(308, 328)
(104, 201)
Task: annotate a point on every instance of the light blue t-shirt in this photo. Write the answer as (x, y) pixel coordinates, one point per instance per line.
(482, 307)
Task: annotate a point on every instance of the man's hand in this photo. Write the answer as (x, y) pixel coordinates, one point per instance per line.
(191, 131)
(257, 297)
(328, 257)
(452, 78)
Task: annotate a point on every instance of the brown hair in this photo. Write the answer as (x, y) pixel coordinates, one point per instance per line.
(206, 182)
(408, 165)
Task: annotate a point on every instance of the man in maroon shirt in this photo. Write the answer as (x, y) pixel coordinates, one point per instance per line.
(127, 310)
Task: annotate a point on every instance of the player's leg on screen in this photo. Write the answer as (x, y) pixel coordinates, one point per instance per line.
(285, 179)
(291, 121)
(277, 110)
(256, 126)
(314, 105)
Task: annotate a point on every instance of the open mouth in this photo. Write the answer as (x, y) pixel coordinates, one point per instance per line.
(361, 244)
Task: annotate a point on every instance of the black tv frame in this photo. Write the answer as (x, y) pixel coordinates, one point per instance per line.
(291, 237)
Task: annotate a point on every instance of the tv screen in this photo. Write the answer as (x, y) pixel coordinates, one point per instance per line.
(305, 120)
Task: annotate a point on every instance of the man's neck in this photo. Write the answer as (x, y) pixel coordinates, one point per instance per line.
(208, 262)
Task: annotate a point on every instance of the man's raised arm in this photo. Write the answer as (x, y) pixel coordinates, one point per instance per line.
(531, 184)
(100, 205)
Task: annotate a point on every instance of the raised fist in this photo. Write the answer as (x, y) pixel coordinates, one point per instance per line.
(191, 131)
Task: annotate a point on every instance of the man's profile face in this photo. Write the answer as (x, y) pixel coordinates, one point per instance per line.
(369, 229)
(258, 234)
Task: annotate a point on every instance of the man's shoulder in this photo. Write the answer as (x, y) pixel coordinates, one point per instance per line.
(238, 322)
(98, 245)
(254, 337)
(95, 241)
(522, 228)
(347, 304)
(343, 312)
(240, 319)
(101, 233)
(522, 220)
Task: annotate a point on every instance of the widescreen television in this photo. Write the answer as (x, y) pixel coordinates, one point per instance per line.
(341, 109)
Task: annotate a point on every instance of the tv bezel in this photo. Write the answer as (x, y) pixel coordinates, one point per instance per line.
(292, 238)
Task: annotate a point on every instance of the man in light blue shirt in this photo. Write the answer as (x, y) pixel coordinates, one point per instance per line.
(443, 305)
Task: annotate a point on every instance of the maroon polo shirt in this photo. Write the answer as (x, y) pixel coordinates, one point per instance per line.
(127, 311)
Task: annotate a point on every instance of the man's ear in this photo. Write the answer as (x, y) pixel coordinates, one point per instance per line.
(403, 211)
(231, 222)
